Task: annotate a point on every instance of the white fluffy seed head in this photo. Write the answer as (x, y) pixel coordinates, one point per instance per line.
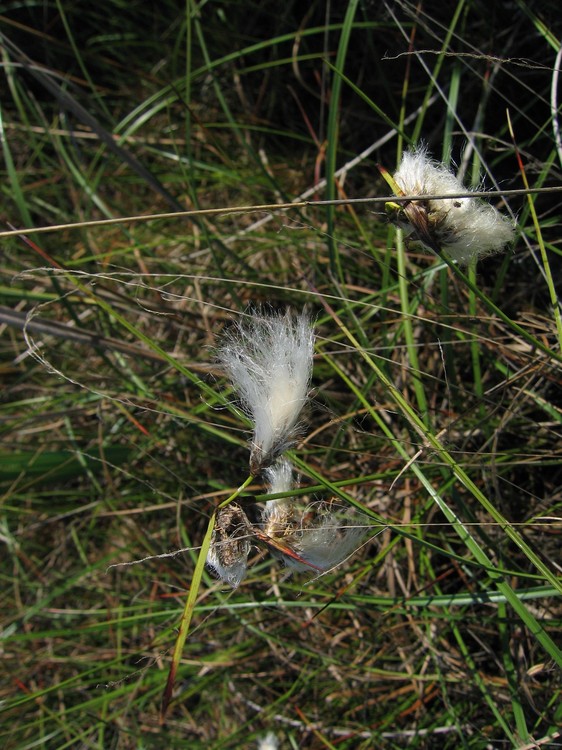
(268, 742)
(269, 362)
(279, 514)
(466, 228)
(320, 534)
(230, 545)
(325, 542)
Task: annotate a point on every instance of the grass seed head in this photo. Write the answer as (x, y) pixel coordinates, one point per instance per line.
(325, 540)
(318, 533)
(230, 545)
(466, 228)
(269, 362)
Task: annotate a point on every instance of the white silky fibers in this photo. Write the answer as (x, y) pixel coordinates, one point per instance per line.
(320, 534)
(268, 359)
(466, 228)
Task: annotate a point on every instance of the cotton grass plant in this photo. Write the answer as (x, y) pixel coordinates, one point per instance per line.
(268, 359)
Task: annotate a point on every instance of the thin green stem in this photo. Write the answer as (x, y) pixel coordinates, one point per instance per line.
(191, 600)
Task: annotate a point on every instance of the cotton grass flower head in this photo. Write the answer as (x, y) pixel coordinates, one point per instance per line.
(268, 742)
(324, 538)
(269, 362)
(316, 535)
(466, 228)
(230, 545)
